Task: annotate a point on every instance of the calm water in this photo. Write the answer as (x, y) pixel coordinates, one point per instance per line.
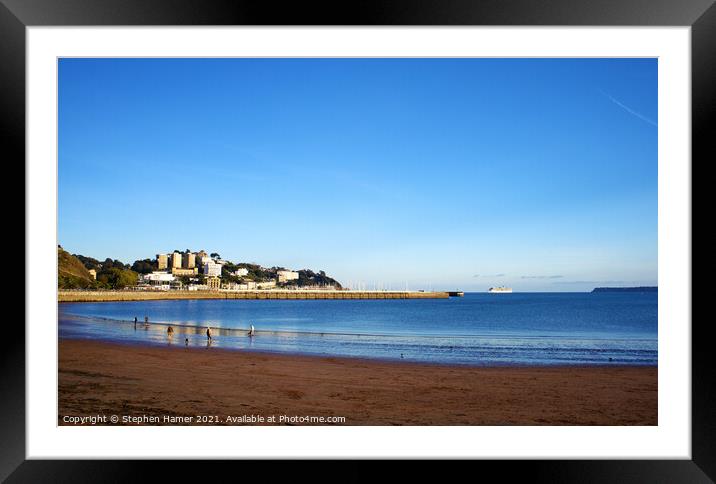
(479, 329)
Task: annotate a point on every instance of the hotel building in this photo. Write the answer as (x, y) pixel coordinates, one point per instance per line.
(212, 269)
(284, 276)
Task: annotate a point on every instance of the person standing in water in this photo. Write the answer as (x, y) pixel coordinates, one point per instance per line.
(251, 331)
(135, 323)
(208, 334)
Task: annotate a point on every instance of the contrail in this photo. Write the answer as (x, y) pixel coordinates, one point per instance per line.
(630, 110)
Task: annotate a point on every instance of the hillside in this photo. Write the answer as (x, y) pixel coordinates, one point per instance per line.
(307, 277)
(71, 272)
(258, 273)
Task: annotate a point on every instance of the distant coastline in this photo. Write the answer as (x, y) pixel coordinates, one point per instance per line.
(627, 289)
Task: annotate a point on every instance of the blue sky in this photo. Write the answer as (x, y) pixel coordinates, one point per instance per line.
(539, 174)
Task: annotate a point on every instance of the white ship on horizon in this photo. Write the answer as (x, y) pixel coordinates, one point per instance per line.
(500, 289)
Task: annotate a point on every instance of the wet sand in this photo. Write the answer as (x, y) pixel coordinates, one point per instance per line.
(98, 378)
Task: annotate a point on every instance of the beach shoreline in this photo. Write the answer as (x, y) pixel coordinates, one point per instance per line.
(148, 383)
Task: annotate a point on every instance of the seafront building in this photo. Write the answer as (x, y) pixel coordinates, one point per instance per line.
(176, 260)
(197, 287)
(248, 286)
(181, 271)
(285, 276)
(212, 269)
(188, 264)
(213, 283)
(176, 264)
(157, 280)
(189, 260)
(158, 277)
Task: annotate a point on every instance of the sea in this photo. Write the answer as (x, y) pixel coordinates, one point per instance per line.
(479, 329)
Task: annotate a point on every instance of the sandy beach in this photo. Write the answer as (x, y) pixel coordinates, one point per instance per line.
(155, 385)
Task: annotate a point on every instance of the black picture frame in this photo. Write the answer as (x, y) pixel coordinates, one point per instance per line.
(700, 15)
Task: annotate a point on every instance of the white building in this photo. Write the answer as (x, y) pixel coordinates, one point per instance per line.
(284, 276)
(197, 287)
(212, 269)
(158, 278)
(233, 286)
(242, 271)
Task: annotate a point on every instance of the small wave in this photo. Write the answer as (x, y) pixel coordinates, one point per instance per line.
(298, 333)
(469, 350)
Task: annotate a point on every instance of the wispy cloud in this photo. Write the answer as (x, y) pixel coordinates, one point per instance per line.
(542, 277)
(591, 282)
(628, 109)
(489, 275)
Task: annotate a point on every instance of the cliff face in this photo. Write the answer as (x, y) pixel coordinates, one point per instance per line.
(626, 289)
(71, 273)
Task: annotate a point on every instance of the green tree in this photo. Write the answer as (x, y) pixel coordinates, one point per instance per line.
(230, 278)
(145, 266)
(117, 278)
(89, 262)
(229, 267)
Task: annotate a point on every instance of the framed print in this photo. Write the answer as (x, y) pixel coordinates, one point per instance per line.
(452, 231)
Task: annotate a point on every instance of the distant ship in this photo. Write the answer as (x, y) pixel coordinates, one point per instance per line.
(500, 289)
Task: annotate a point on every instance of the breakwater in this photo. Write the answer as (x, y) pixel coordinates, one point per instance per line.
(100, 296)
